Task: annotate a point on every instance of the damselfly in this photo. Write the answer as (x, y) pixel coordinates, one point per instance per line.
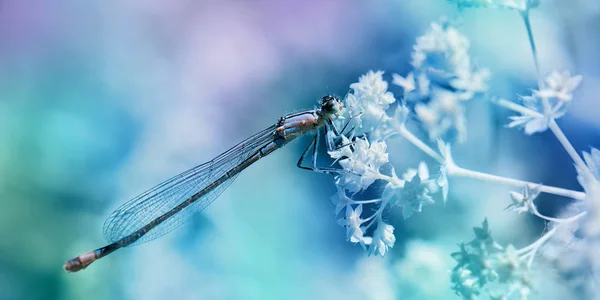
(171, 203)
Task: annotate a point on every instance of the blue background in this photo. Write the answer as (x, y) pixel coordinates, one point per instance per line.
(101, 100)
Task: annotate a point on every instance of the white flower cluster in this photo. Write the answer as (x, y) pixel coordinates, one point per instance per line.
(574, 248)
(412, 192)
(368, 104)
(369, 101)
(550, 102)
(519, 5)
(364, 161)
(484, 266)
(443, 79)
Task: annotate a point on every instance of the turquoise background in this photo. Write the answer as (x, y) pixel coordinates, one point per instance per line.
(101, 100)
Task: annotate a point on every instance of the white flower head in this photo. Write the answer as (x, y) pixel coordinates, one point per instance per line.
(341, 200)
(560, 86)
(362, 165)
(341, 152)
(383, 239)
(444, 115)
(523, 202)
(408, 83)
(369, 99)
(592, 162)
(482, 261)
(444, 51)
(530, 124)
(591, 184)
(443, 80)
(412, 193)
(550, 102)
(353, 223)
(424, 84)
(472, 82)
(533, 124)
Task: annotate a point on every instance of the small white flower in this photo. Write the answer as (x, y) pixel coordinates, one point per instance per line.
(424, 83)
(383, 239)
(537, 124)
(591, 185)
(523, 202)
(427, 115)
(362, 165)
(388, 126)
(445, 41)
(483, 261)
(341, 152)
(371, 98)
(444, 114)
(560, 86)
(592, 160)
(401, 114)
(423, 172)
(341, 200)
(442, 81)
(412, 193)
(434, 40)
(550, 102)
(408, 83)
(472, 82)
(530, 125)
(353, 222)
(418, 57)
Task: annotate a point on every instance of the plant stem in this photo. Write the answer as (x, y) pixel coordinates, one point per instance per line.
(545, 104)
(531, 250)
(547, 110)
(557, 220)
(525, 16)
(518, 108)
(454, 170)
(392, 179)
(535, 245)
(374, 217)
(365, 201)
(558, 133)
(539, 244)
(562, 138)
(405, 133)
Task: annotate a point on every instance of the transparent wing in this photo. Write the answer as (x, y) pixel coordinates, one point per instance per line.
(157, 201)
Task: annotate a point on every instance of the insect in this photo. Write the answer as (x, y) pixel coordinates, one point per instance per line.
(173, 202)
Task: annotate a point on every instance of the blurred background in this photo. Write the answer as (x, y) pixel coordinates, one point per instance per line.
(101, 100)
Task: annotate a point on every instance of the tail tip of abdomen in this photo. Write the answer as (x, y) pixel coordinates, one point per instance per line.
(80, 262)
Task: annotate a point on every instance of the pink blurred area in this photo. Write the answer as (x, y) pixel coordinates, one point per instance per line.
(191, 49)
(185, 69)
